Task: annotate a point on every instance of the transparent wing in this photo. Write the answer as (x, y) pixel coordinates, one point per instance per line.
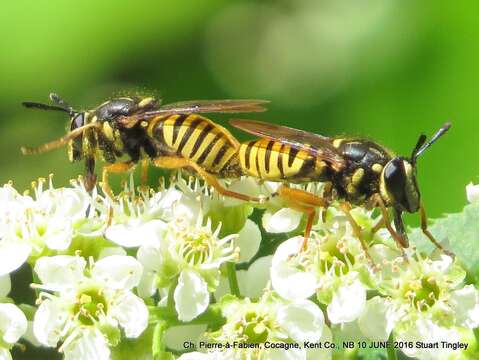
(198, 107)
(319, 146)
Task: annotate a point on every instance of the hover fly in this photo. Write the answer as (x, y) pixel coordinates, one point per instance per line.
(140, 128)
(359, 171)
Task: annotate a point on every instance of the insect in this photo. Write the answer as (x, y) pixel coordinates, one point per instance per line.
(356, 170)
(141, 129)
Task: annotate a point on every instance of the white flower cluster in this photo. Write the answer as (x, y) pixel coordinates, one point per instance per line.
(147, 263)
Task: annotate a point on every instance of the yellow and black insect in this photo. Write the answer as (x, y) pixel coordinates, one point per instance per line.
(140, 128)
(359, 171)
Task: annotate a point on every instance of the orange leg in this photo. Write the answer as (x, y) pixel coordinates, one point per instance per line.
(305, 202)
(346, 208)
(114, 168)
(170, 162)
(144, 173)
(423, 219)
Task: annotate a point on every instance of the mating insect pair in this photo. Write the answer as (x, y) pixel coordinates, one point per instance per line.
(174, 136)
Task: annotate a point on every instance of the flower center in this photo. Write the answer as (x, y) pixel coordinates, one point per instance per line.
(89, 305)
(196, 248)
(254, 328)
(424, 292)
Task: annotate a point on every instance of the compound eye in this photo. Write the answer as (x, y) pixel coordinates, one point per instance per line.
(395, 178)
(78, 120)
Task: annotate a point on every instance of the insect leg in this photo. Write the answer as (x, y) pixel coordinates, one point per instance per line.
(401, 241)
(144, 172)
(346, 208)
(423, 218)
(305, 202)
(170, 162)
(114, 168)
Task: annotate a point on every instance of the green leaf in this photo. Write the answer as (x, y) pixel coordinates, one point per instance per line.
(461, 231)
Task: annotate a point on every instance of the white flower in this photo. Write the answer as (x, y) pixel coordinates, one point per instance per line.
(13, 323)
(191, 295)
(283, 220)
(348, 303)
(188, 257)
(88, 305)
(472, 192)
(290, 278)
(421, 300)
(298, 275)
(141, 220)
(268, 320)
(14, 250)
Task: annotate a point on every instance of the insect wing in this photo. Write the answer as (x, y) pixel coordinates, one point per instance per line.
(317, 145)
(197, 107)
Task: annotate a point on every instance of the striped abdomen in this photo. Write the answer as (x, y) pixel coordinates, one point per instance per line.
(198, 139)
(272, 160)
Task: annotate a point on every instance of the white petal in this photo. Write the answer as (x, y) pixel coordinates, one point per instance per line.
(177, 336)
(303, 320)
(288, 281)
(91, 345)
(135, 232)
(132, 314)
(347, 304)
(111, 250)
(191, 296)
(59, 233)
(465, 302)
(248, 240)
(427, 331)
(245, 185)
(61, 271)
(253, 281)
(13, 323)
(118, 272)
(377, 320)
(5, 285)
(49, 321)
(5, 354)
(283, 220)
(150, 257)
(13, 255)
(472, 192)
(147, 286)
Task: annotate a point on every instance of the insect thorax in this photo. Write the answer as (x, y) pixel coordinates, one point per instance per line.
(361, 177)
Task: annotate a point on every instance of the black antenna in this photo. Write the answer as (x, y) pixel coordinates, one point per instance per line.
(418, 151)
(61, 105)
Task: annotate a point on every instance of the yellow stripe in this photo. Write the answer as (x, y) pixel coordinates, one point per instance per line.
(242, 156)
(168, 130)
(208, 163)
(190, 143)
(261, 157)
(295, 167)
(152, 124)
(253, 169)
(230, 152)
(204, 144)
(181, 132)
(274, 172)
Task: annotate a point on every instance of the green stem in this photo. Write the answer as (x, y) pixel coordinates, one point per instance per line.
(171, 294)
(158, 347)
(232, 279)
(391, 351)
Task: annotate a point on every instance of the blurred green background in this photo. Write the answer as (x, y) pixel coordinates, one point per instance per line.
(388, 70)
